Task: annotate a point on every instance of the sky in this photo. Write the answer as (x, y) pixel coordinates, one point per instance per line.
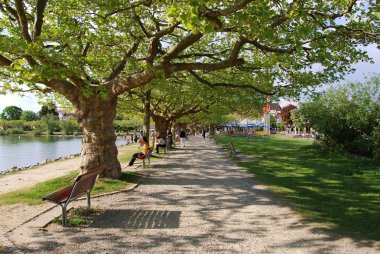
(30, 102)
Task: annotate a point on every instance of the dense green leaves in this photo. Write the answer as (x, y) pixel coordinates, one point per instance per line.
(11, 113)
(348, 116)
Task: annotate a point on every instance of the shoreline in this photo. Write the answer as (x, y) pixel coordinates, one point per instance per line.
(44, 162)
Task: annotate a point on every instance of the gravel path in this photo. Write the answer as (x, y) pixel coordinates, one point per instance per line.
(196, 201)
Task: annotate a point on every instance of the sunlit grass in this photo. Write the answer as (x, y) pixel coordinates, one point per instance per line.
(33, 195)
(338, 191)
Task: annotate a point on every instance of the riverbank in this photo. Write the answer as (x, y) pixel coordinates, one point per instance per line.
(17, 180)
(24, 152)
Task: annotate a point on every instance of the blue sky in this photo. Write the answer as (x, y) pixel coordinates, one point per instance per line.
(30, 102)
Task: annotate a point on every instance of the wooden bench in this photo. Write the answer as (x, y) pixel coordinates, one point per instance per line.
(233, 151)
(146, 160)
(83, 185)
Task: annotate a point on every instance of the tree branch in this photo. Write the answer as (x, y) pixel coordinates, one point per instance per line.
(4, 61)
(182, 45)
(229, 62)
(334, 15)
(203, 81)
(271, 49)
(121, 65)
(40, 8)
(23, 20)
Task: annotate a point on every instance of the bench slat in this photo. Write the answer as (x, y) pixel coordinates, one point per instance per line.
(59, 196)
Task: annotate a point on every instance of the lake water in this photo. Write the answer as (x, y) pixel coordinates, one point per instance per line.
(22, 151)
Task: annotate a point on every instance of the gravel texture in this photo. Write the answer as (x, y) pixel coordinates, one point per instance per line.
(196, 201)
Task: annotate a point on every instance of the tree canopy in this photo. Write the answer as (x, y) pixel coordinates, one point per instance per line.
(11, 113)
(97, 46)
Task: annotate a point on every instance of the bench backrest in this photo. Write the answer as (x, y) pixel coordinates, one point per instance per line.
(149, 153)
(83, 183)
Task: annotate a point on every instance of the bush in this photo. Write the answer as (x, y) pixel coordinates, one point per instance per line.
(2, 132)
(347, 116)
(376, 149)
(14, 131)
(50, 123)
(37, 132)
(69, 126)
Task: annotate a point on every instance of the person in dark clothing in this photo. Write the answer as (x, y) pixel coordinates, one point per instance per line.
(182, 137)
(169, 139)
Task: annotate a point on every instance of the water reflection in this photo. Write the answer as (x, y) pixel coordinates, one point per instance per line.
(21, 151)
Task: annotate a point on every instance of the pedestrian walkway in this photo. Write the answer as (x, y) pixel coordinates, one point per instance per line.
(196, 201)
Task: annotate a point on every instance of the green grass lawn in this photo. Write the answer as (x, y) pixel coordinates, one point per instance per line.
(340, 192)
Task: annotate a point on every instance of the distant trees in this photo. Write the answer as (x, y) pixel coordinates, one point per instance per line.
(28, 115)
(11, 113)
(48, 109)
(286, 113)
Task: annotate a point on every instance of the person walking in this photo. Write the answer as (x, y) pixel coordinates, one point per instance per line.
(182, 137)
(203, 134)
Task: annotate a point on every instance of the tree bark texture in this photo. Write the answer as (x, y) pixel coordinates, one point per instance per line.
(161, 125)
(147, 113)
(98, 145)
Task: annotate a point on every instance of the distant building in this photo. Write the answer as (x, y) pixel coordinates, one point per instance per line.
(62, 114)
(275, 110)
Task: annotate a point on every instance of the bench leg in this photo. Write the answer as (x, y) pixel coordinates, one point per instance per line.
(64, 215)
(88, 199)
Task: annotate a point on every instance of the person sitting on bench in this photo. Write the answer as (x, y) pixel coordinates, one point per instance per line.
(144, 145)
(161, 143)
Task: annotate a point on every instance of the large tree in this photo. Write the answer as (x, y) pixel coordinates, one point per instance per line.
(93, 51)
(11, 113)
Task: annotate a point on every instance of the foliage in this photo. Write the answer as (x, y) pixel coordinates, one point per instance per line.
(13, 131)
(48, 110)
(131, 120)
(340, 192)
(273, 123)
(68, 125)
(347, 115)
(28, 115)
(50, 123)
(286, 114)
(11, 113)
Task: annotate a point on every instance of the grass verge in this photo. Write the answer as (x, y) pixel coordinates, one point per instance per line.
(340, 192)
(33, 195)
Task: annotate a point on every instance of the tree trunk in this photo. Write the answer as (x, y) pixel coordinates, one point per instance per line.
(212, 129)
(96, 117)
(147, 113)
(161, 126)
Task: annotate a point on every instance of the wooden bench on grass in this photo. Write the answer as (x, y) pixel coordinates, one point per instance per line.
(146, 160)
(83, 185)
(233, 151)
